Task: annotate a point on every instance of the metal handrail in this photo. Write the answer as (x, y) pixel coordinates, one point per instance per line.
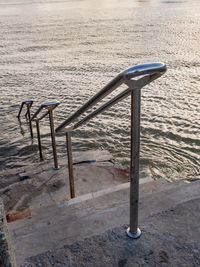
(28, 104)
(127, 92)
(153, 69)
(47, 105)
(50, 106)
(149, 73)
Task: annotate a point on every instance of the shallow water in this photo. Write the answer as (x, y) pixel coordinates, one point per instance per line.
(68, 50)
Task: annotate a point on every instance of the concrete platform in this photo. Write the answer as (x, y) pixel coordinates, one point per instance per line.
(7, 258)
(169, 239)
(47, 228)
(40, 185)
(54, 231)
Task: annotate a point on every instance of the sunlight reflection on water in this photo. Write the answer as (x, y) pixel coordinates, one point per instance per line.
(68, 50)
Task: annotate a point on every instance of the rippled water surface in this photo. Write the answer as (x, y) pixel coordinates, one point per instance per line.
(68, 50)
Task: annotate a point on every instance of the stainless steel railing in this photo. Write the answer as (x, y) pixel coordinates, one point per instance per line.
(49, 106)
(28, 104)
(135, 78)
(143, 74)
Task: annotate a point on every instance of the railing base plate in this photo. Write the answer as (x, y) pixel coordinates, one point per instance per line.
(55, 169)
(135, 235)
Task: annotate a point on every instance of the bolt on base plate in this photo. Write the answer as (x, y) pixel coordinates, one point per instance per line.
(133, 235)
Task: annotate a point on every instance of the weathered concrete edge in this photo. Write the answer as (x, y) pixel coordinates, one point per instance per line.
(88, 156)
(7, 254)
(101, 192)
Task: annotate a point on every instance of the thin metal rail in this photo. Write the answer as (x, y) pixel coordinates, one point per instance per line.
(146, 69)
(70, 164)
(39, 138)
(50, 106)
(144, 75)
(28, 104)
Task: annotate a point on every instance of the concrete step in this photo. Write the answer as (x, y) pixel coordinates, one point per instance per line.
(64, 223)
(40, 185)
(169, 238)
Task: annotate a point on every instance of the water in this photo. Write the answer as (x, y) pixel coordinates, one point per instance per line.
(68, 50)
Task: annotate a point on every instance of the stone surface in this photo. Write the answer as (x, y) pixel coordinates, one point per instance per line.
(169, 238)
(7, 258)
(47, 228)
(39, 185)
(67, 222)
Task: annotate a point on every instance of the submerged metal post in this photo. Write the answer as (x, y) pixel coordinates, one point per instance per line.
(29, 118)
(133, 231)
(70, 164)
(20, 110)
(28, 104)
(49, 106)
(39, 139)
(53, 139)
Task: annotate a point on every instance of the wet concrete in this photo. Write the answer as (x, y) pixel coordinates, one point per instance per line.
(40, 185)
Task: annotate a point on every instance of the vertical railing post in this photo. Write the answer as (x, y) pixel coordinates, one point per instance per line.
(39, 138)
(29, 118)
(21, 107)
(70, 164)
(133, 231)
(53, 139)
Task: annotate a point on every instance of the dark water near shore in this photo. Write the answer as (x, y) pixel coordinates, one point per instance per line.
(68, 50)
